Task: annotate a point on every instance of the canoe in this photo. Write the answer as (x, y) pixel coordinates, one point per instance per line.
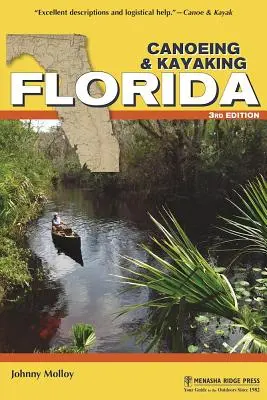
(66, 241)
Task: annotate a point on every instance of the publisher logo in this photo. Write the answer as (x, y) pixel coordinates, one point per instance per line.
(188, 381)
(219, 384)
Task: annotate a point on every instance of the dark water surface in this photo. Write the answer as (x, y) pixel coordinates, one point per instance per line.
(72, 293)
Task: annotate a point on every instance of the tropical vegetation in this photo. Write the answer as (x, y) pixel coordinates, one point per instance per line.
(162, 160)
(25, 176)
(83, 339)
(185, 284)
(171, 158)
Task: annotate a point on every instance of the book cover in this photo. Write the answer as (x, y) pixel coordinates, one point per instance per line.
(133, 199)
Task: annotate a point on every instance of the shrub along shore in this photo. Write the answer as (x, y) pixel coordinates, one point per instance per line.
(25, 178)
(169, 159)
(203, 159)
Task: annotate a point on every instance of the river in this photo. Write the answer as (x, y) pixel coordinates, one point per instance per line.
(67, 292)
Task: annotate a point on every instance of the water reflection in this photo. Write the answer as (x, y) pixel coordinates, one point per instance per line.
(32, 323)
(70, 293)
(75, 254)
(91, 293)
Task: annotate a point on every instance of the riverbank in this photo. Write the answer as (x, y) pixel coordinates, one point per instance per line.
(69, 293)
(110, 213)
(25, 179)
(170, 159)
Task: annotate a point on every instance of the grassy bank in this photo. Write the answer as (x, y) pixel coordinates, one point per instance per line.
(25, 176)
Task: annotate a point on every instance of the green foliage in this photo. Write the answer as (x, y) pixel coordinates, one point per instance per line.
(24, 173)
(13, 266)
(192, 348)
(25, 176)
(171, 157)
(84, 335)
(202, 319)
(231, 152)
(255, 324)
(64, 349)
(184, 282)
(249, 227)
(187, 275)
(17, 199)
(83, 339)
(251, 343)
(56, 147)
(143, 162)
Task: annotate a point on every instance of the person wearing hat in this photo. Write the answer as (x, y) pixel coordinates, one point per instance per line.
(56, 222)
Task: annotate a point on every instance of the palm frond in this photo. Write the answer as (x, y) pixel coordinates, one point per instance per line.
(181, 273)
(183, 281)
(251, 343)
(84, 335)
(249, 227)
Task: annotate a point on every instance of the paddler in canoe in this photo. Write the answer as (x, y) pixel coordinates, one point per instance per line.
(56, 222)
(65, 238)
(58, 226)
